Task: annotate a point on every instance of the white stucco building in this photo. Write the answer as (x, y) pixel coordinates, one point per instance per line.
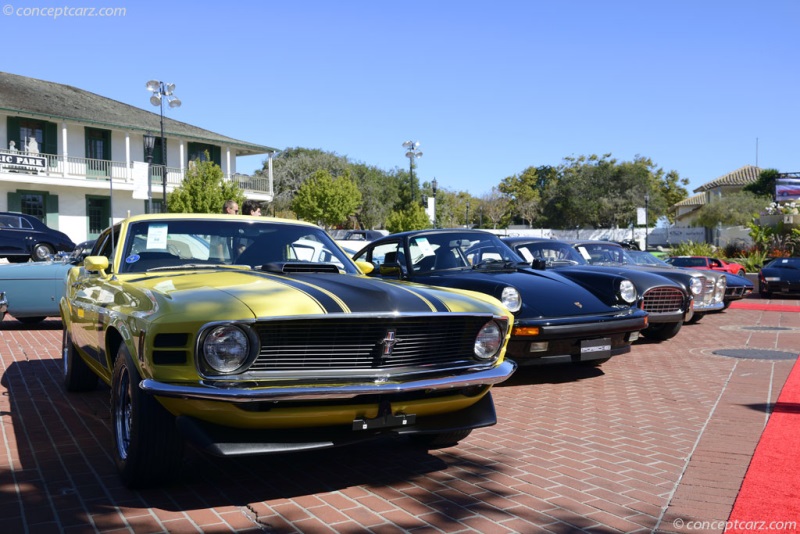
(76, 159)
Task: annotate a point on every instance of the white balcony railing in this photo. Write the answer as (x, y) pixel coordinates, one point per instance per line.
(48, 165)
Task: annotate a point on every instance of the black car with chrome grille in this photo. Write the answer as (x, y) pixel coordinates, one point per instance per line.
(666, 301)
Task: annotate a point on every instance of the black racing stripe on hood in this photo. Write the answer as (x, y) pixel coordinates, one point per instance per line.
(363, 295)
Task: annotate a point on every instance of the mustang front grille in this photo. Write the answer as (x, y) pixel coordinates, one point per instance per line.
(663, 300)
(363, 343)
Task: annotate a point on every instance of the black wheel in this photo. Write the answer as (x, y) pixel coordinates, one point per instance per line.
(77, 375)
(662, 331)
(696, 318)
(30, 320)
(764, 292)
(41, 252)
(741, 273)
(441, 440)
(147, 446)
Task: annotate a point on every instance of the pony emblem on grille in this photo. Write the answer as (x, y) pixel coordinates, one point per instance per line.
(389, 342)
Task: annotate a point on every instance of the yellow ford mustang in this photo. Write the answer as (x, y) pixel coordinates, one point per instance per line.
(249, 335)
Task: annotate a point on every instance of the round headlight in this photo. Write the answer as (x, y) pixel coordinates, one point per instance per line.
(719, 289)
(226, 348)
(489, 341)
(627, 291)
(696, 286)
(511, 299)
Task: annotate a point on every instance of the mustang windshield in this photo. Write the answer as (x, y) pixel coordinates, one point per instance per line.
(197, 243)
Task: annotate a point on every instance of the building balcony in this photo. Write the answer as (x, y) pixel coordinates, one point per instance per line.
(49, 169)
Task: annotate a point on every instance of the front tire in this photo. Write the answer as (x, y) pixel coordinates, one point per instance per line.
(77, 375)
(147, 447)
(662, 331)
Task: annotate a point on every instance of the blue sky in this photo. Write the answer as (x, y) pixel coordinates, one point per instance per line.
(487, 88)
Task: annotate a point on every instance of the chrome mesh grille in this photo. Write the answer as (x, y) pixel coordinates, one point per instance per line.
(663, 300)
(707, 297)
(361, 343)
(736, 291)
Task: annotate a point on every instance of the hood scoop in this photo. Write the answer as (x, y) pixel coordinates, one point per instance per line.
(299, 267)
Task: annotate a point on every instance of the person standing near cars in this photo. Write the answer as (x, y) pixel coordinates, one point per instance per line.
(251, 207)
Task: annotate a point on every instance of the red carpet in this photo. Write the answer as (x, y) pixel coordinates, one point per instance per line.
(769, 499)
(763, 306)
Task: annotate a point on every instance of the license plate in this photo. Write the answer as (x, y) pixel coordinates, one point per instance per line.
(595, 348)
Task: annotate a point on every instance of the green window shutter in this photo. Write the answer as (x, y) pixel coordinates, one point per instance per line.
(14, 199)
(107, 145)
(12, 128)
(216, 155)
(51, 207)
(50, 140)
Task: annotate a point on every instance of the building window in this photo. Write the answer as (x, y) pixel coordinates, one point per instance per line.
(204, 151)
(33, 135)
(98, 152)
(32, 204)
(98, 214)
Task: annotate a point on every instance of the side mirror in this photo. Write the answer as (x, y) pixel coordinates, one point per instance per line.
(392, 269)
(365, 267)
(539, 264)
(96, 264)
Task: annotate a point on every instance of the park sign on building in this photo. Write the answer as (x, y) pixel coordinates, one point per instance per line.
(22, 161)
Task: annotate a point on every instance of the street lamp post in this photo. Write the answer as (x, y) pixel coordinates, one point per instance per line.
(434, 188)
(646, 201)
(163, 91)
(466, 216)
(149, 143)
(412, 152)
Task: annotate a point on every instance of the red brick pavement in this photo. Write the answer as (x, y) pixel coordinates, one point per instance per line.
(651, 442)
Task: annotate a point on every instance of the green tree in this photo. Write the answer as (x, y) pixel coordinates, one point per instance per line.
(765, 185)
(204, 190)
(733, 209)
(413, 217)
(326, 200)
(495, 206)
(292, 167)
(523, 193)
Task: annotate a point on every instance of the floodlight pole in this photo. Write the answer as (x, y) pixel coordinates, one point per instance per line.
(412, 153)
(161, 91)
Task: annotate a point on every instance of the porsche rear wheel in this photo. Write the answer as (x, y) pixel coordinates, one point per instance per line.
(662, 331)
(77, 375)
(147, 447)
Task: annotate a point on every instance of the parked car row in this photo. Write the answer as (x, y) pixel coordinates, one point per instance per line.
(245, 335)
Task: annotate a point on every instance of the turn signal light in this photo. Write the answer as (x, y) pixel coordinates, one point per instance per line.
(525, 331)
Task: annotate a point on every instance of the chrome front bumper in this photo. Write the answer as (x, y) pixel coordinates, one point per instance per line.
(232, 391)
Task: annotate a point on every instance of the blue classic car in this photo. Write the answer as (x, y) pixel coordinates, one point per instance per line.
(556, 319)
(31, 291)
